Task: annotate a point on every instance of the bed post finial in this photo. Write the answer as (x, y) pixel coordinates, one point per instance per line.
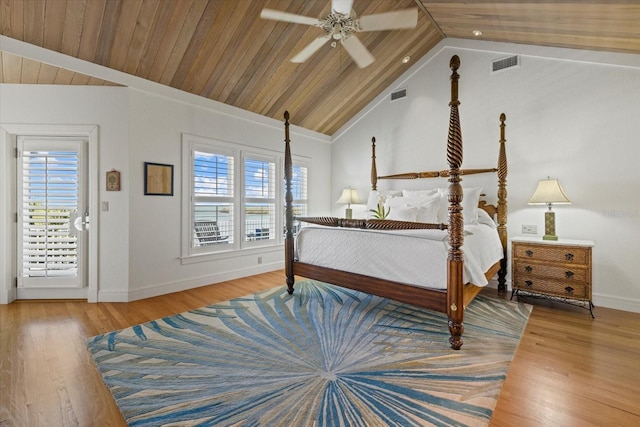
(374, 170)
(454, 64)
(455, 263)
(288, 240)
(502, 204)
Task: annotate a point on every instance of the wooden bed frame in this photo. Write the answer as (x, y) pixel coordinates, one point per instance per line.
(458, 294)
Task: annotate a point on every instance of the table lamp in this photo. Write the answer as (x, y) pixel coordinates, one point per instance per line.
(549, 192)
(349, 195)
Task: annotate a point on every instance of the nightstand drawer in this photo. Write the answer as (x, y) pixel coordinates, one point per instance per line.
(552, 271)
(573, 255)
(573, 290)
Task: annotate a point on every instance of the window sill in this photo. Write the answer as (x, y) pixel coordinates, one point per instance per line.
(215, 256)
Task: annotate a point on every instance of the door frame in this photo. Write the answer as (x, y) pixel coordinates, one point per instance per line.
(8, 137)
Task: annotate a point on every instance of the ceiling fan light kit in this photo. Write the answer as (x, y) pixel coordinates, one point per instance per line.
(342, 24)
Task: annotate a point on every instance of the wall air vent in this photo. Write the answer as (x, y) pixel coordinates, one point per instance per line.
(504, 63)
(398, 94)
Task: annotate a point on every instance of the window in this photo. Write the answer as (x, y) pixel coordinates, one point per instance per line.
(231, 197)
(213, 199)
(259, 198)
(299, 189)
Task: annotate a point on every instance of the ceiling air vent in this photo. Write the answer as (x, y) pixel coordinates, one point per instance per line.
(401, 93)
(504, 63)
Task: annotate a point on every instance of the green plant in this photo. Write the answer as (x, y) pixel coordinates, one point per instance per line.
(380, 212)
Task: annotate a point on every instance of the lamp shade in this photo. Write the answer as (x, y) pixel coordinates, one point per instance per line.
(549, 191)
(349, 195)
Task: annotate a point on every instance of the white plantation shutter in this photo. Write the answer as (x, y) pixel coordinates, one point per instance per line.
(213, 199)
(300, 203)
(50, 193)
(259, 198)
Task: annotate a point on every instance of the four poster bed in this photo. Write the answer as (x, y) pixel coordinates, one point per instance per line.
(456, 288)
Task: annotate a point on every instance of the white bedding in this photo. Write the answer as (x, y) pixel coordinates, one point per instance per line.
(417, 257)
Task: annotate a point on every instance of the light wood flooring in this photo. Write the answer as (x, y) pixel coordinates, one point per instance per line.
(569, 370)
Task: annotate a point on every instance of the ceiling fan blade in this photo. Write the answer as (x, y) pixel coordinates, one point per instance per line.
(342, 6)
(396, 20)
(358, 51)
(310, 49)
(277, 15)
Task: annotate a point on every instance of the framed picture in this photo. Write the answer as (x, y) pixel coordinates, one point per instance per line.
(113, 180)
(158, 179)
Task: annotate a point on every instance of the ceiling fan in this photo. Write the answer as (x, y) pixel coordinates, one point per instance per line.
(341, 24)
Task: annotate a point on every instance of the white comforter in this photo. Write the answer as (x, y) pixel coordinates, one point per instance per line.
(417, 257)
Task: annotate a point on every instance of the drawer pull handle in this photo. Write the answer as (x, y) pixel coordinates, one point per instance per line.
(529, 252)
(529, 283)
(568, 274)
(569, 290)
(528, 269)
(569, 256)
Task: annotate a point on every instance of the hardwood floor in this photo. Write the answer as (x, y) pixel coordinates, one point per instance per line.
(569, 370)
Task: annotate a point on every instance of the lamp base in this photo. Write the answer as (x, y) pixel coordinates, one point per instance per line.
(348, 213)
(549, 226)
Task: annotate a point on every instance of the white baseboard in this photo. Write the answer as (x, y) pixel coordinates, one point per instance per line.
(7, 296)
(618, 303)
(167, 288)
(113, 296)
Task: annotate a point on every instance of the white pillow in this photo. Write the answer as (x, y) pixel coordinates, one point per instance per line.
(485, 218)
(403, 213)
(443, 206)
(419, 193)
(426, 207)
(376, 196)
(428, 210)
(470, 200)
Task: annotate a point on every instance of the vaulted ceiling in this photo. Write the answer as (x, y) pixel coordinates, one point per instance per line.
(223, 50)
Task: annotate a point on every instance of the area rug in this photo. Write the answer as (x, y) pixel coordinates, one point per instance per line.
(326, 356)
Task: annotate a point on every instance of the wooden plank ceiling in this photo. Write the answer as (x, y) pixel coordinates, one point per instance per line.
(223, 50)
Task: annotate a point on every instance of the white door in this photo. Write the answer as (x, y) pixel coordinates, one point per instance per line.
(52, 217)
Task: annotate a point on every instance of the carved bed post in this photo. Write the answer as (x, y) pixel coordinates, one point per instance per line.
(374, 170)
(288, 239)
(502, 205)
(455, 262)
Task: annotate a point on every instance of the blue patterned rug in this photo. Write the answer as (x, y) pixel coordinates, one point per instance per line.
(326, 356)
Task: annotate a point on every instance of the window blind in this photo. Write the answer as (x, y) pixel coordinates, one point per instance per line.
(259, 198)
(213, 185)
(49, 196)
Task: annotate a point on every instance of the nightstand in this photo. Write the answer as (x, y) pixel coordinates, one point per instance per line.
(554, 269)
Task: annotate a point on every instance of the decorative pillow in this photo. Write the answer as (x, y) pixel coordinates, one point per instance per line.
(428, 210)
(420, 193)
(470, 200)
(426, 207)
(443, 206)
(403, 213)
(485, 218)
(376, 196)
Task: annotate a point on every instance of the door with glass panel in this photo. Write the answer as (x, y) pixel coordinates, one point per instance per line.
(52, 217)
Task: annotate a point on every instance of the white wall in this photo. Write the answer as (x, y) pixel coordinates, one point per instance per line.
(106, 107)
(156, 125)
(139, 236)
(566, 118)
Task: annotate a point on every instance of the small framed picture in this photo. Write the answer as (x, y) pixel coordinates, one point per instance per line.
(113, 180)
(158, 179)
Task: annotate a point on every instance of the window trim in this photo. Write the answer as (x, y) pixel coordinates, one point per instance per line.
(192, 143)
